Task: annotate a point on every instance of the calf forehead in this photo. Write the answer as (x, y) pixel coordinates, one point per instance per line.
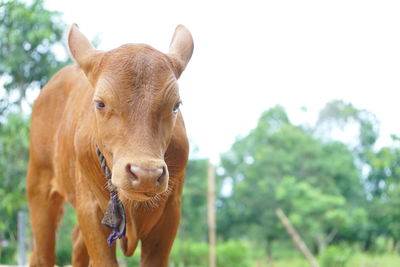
(137, 79)
(138, 66)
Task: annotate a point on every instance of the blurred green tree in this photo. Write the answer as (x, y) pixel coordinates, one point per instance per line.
(383, 186)
(318, 216)
(14, 145)
(381, 171)
(256, 167)
(29, 37)
(338, 114)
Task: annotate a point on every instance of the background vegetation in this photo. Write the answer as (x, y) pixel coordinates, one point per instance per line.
(343, 198)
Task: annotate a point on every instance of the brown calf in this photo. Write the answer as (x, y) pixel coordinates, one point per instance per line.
(126, 103)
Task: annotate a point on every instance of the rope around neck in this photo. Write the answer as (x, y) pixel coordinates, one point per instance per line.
(114, 217)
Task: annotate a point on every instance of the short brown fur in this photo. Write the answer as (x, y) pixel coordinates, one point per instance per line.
(140, 133)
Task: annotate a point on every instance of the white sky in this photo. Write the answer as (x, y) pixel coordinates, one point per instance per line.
(252, 55)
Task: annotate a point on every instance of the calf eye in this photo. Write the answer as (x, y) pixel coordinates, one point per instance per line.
(176, 107)
(100, 105)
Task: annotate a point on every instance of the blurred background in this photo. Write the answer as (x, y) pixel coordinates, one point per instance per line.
(292, 112)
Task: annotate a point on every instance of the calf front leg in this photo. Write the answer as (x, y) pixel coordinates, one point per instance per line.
(93, 232)
(157, 245)
(45, 210)
(80, 256)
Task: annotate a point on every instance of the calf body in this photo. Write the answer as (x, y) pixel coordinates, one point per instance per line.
(126, 103)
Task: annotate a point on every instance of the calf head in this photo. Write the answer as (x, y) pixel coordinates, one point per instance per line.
(136, 104)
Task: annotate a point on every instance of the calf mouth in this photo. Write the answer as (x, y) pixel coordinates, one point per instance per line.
(137, 196)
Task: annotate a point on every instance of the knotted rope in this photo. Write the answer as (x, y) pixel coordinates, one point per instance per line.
(114, 217)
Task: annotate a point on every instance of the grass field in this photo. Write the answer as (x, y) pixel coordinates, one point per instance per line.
(357, 260)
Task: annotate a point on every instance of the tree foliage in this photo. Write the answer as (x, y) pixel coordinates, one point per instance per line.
(337, 114)
(28, 36)
(279, 164)
(381, 176)
(382, 184)
(14, 145)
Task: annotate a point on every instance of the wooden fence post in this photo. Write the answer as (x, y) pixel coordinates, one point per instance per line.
(211, 216)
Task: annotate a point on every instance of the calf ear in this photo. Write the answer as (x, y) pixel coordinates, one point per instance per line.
(83, 52)
(181, 49)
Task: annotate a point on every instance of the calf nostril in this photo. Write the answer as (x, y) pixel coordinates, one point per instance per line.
(131, 170)
(161, 178)
(158, 172)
